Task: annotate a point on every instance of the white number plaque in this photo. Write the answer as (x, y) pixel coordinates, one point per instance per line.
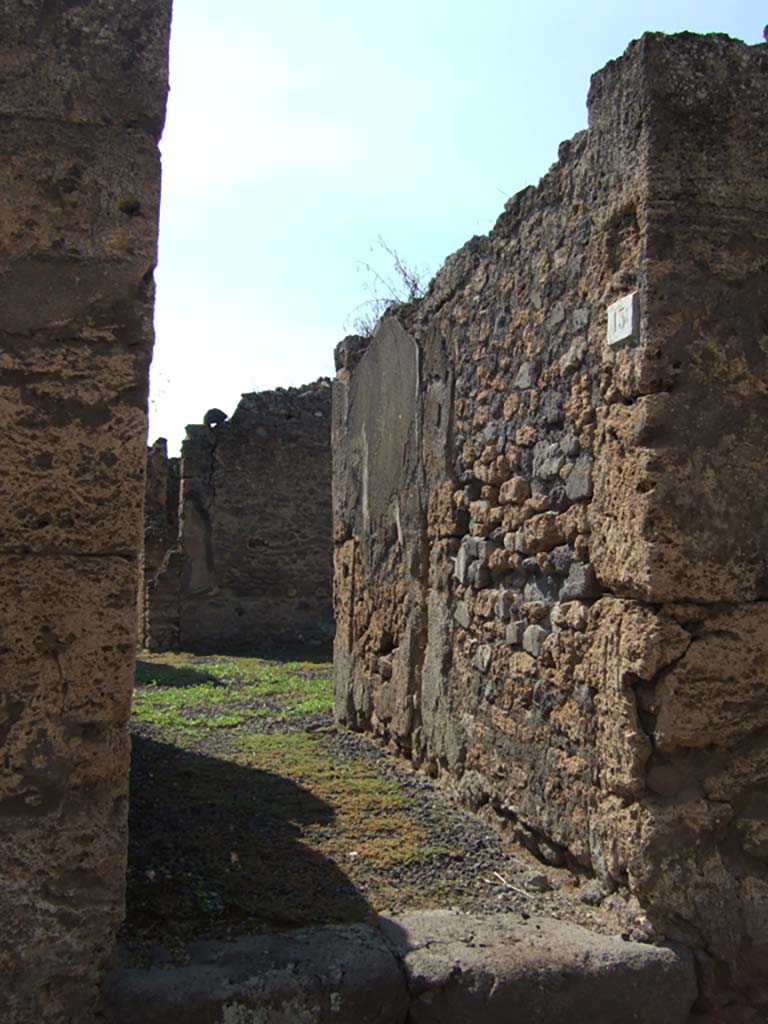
(623, 319)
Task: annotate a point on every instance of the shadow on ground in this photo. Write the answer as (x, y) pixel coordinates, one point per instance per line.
(176, 678)
(215, 850)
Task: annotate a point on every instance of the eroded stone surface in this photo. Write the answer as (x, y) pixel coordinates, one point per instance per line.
(558, 606)
(161, 507)
(161, 524)
(83, 90)
(428, 966)
(333, 975)
(506, 968)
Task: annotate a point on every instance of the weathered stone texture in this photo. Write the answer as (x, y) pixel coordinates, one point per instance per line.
(556, 603)
(161, 507)
(161, 524)
(82, 101)
(428, 967)
(253, 565)
(506, 968)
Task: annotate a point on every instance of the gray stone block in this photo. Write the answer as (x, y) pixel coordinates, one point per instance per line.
(569, 445)
(503, 969)
(548, 460)
(526, 376)
(558, 499)
(462, 615)
(479, 577)
(463, 562)
(578, 486)
(542, 588)
(505, 604)
(561, 559)
(482, 549)
(481, 659)
(581, 583)
(333, 975)
(514, 633)
(533, 638)
(556, 315)
(580, 318)
(551, 408)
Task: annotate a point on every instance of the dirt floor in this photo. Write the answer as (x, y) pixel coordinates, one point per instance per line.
(250, 812)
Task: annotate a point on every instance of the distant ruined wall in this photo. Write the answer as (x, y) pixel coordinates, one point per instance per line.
(253, 566)
(161, 506)
(551, 551)
(161, 519)
(82, 101)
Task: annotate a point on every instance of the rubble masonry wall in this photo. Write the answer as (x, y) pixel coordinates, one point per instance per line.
(550, 552)
(161, 507)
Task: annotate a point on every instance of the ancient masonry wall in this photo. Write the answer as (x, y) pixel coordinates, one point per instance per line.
(161, 519)
(253, 566)
(550, 552)
(82, 101)
(161, 507)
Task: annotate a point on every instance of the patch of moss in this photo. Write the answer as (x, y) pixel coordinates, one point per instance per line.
(371, 816)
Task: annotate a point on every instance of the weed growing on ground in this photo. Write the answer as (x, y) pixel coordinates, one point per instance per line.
(188, 696)
(242, 815)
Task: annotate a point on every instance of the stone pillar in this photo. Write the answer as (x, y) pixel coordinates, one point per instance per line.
(82, 101)
(679, 531)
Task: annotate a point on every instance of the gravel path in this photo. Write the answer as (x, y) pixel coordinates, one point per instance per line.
(494, 874)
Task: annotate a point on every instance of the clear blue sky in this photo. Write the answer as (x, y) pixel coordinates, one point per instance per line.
(297, 134)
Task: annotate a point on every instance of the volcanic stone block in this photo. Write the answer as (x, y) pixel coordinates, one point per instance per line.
(332, 975)
(428, 966)
(503, 968)
(82, 96)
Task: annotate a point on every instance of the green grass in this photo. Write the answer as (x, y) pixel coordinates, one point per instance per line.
(187, 697)
(313, 696)
(370, 810)
(242, 818)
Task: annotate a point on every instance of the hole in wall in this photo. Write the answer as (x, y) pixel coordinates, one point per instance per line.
(131, 208)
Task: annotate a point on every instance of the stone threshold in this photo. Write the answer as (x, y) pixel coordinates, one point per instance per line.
(426, 967)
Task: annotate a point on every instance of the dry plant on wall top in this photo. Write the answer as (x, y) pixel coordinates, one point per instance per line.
(396, 287)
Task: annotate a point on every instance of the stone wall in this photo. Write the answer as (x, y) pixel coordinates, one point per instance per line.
(253, 566)
(82, 102)
(550, 551)
(161, 519)
(161, 507)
